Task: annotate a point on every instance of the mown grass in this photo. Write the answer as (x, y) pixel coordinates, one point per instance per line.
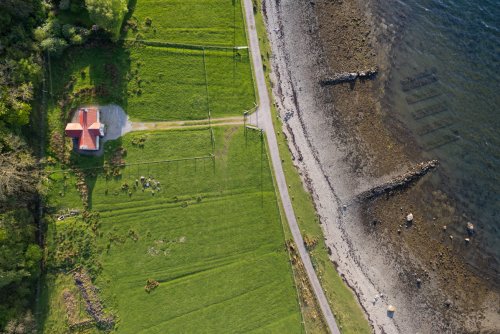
(347, 311)
(211, 237)
(199, 22)
(170, 84)
(155, 83)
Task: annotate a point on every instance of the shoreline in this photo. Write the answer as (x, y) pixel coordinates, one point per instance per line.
(341, 153)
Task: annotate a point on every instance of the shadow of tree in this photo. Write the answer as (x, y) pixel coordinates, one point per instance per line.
(128, 16)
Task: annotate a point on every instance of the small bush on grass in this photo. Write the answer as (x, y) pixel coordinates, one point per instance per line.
(151, 284)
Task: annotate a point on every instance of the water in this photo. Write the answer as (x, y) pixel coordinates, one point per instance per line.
(455, 113)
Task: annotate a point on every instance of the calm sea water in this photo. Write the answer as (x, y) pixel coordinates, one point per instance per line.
(451, 50)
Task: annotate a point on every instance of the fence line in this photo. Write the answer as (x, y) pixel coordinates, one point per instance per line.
(208, 102)
(186, 46)
(211, 156)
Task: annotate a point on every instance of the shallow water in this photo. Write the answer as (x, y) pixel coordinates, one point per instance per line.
(451, 49)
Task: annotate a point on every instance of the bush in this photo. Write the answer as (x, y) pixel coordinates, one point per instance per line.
(108, 14)
(76, 40)
(75, 8)
(68, 31)
(54, 45)
(151, 284)
(40, 34)
(82, 32)
(64, 4)
(52, 28)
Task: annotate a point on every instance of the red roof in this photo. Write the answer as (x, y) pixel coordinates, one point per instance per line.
(87, 130)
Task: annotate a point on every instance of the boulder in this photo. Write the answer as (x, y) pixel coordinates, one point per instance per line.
(470, 228)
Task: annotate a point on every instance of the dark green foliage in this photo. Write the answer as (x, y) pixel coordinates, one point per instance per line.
(20, 73)
(18, 180)
(28, 29)
(108, 14)
(19, 64)
(54, 45)
(55, 37)
(19, 262)
(23, 324)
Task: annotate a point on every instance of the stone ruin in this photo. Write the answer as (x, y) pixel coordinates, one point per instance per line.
(94, 305)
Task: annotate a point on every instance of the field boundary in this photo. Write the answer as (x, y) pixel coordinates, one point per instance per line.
(185, 46)
(207, 157)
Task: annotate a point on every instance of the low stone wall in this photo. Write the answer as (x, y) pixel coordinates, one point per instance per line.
(94, 305)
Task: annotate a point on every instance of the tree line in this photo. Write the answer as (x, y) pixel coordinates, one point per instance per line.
(29, 31)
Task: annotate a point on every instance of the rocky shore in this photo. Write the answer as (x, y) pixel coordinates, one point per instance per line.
(346, 145)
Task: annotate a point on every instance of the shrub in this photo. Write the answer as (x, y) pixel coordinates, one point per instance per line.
(151, 284)
(68, 31)
(54, 45)
(64, 4)
(108, 14)
(76, 40)
(52, 28)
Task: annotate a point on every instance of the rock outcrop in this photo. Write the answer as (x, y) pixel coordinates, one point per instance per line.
(339, 78)
(400, 182)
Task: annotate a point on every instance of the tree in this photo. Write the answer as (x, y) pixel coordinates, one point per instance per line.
(54, 45)
(108, 14)
(20, 72)
(18, 255)
(16, 90)
(19, 173)
(19, 263)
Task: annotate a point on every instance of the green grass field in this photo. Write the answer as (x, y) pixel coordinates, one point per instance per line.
(210, 231)
(163, 83)
(169, 84)
(157, 83)
(199, 22)
(211, 236)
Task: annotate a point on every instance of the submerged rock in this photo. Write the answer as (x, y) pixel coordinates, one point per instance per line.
(400, 182)
(338, 78)
(470, 228)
